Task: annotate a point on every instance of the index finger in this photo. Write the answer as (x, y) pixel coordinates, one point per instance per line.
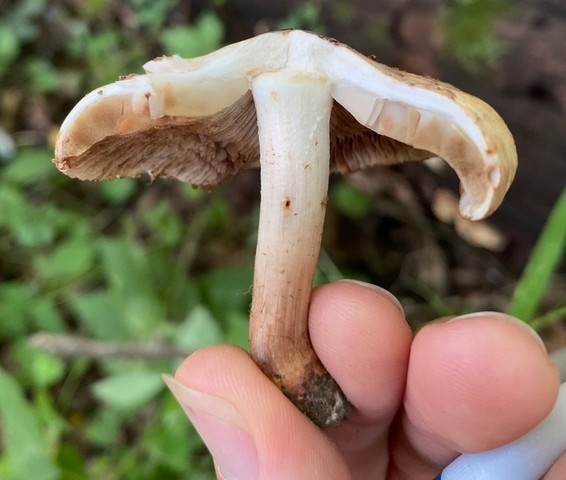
(360, 334)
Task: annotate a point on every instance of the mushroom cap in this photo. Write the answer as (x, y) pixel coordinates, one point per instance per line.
(194, 119)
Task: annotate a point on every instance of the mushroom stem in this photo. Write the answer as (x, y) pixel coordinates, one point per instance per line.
(293, 111)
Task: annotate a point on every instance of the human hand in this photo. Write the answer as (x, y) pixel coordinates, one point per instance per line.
(463, 385)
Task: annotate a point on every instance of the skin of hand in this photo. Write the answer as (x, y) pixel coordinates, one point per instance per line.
(465, 384)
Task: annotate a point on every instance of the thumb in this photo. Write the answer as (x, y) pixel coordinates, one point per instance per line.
(222, 429)
(250, 428)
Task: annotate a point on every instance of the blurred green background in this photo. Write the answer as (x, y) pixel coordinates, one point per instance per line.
(103, 287)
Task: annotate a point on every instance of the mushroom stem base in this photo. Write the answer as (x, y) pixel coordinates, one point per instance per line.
(317, 394)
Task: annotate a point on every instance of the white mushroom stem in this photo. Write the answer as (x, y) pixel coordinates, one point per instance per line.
(293, 111)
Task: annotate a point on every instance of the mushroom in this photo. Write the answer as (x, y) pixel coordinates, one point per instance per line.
(300, 106)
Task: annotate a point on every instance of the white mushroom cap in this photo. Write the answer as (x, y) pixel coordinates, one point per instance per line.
(194, 119)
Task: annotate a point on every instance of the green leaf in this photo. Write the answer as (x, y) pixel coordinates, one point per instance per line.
(198, 330)
(41, 368)
(164, 223)
(168, 440)
(227, 290)
(306, 16)
(218, 214)
(27, 452)
(152, 14)
(6, 471)
(126, 267)
(21, 219)
(24, 15)
(104, 427)
(45, 315)
(9, 48)
(118, 191)
(545, 258)
(69, 260)
(128, 391)
(100, 314)
(42, 75)
(16, 299)
(350, 200)
(238, 328)
(130, 275)
(28, 224)
(469, 28)
(71, 463)
(55, 425)
(191, 41)
(142, 315)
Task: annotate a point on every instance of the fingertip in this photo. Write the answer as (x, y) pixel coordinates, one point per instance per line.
(360, 334)
(479, 381)
(513, 322)
(371, 288)
(212, 368)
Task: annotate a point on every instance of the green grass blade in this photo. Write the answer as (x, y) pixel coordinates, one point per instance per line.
(24, 445)
(548, 319)
(545, 258)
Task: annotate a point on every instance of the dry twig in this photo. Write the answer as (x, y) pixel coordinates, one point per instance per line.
(73, 346)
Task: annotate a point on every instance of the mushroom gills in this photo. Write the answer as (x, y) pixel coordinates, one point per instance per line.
(441, 133)
(419, 128)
